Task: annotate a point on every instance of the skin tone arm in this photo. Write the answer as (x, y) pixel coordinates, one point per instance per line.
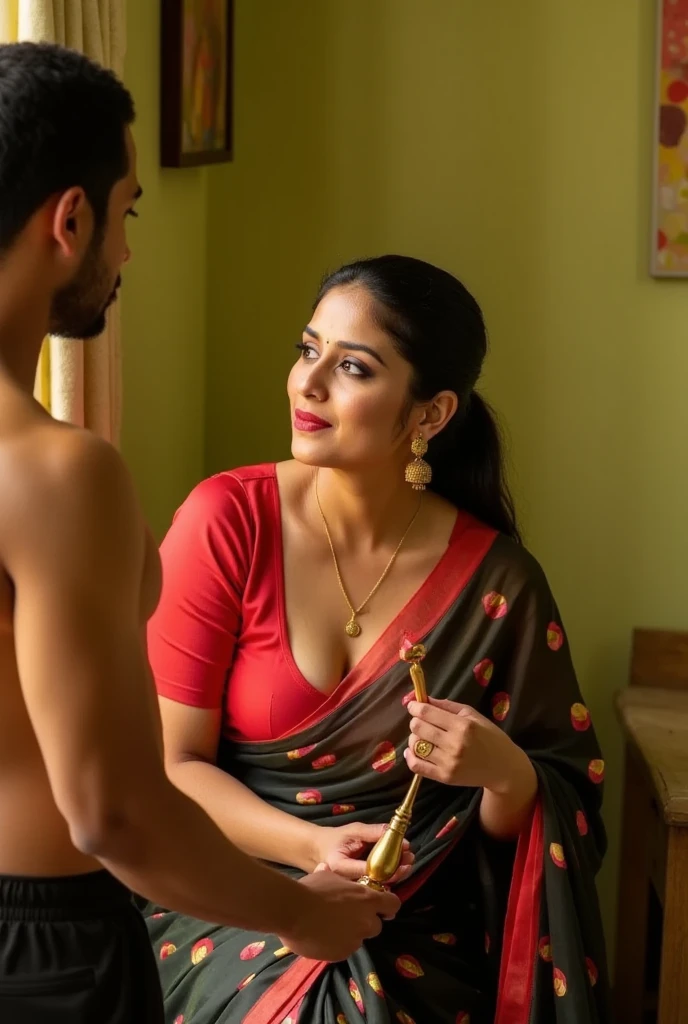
(191, 740)
(77, 575)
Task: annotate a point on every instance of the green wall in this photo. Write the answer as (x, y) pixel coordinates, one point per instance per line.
(510, 143)
(163, 300)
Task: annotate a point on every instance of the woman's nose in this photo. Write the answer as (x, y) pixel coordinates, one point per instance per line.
(312, 384)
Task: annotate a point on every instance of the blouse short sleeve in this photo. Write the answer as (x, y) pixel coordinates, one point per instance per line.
(206, 557)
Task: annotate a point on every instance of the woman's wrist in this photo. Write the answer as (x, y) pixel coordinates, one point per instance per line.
(308, 846)
(505, 808)
(516, 778)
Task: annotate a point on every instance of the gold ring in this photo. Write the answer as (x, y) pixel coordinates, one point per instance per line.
(424, 749)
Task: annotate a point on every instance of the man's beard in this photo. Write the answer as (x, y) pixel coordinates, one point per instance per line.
(79, 310)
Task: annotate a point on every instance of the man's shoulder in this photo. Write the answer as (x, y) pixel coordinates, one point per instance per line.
(59, 482)
(49, 456)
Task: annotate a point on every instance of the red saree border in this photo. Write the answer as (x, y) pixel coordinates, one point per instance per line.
(275, 1004)
(289, 990)
(468, 546)
(519, 950)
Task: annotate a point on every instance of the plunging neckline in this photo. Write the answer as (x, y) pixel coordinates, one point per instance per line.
(391, 637)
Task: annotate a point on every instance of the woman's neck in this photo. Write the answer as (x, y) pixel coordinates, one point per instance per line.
(365, 511)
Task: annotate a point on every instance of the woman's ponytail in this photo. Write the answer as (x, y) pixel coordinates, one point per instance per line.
(468, 467)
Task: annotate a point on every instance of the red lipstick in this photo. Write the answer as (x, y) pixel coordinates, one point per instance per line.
(309, 423)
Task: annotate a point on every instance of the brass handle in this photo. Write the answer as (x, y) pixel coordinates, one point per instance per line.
(385, 857)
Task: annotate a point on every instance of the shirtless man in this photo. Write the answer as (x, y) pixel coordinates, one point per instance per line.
(86, 811)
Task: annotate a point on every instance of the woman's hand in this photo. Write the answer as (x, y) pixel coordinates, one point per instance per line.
(469, 750)
(344, 849)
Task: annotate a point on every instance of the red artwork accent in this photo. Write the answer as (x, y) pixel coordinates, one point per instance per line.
(384, 757)
(404, 1018)
(245, 982)
(556, 852)
(309, 796)
(581, 823)
(677, 91)
(596, 770)
(446, 938)
(167, 949)
(495, 605)
(674, 48)
(463, 1018)
(483, 671)
(251, 951)
(555, 636)
(343, 808)
(179, 1019)
(517, 969)
(325, 761)
(408, 966)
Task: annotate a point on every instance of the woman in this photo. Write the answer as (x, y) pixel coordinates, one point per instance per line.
(289, 593)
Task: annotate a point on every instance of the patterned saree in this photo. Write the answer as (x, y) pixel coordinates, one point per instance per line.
(488, 931)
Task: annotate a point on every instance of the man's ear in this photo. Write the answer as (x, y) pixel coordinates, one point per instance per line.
(72, 224)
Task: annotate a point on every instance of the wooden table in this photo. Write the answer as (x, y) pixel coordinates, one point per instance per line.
(654, 851)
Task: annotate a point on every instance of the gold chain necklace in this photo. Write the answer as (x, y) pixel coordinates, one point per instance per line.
(352, 627)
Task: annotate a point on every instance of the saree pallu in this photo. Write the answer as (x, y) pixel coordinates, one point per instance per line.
(488, 931)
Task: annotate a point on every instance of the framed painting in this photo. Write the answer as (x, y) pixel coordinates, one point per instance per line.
(196, 82)
(670, 188)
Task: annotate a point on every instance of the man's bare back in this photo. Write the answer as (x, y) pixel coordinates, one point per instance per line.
(34, 836)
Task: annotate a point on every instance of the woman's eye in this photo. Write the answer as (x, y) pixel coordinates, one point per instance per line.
(307, 351)
(355, 369)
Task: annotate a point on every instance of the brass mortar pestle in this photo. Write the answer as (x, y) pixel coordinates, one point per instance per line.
(385, 857)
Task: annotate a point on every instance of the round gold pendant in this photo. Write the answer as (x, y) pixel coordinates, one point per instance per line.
(352, 628)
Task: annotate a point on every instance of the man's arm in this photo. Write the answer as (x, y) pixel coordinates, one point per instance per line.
(76, 558)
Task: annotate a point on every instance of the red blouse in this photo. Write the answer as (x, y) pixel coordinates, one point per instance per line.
(219, 637)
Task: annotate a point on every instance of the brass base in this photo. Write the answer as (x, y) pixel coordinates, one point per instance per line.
(372, 884)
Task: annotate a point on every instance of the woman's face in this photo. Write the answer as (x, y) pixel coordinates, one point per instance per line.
(349, 389)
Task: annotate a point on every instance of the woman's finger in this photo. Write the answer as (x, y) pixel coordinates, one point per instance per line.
(425, 731)
(346, 868)
(401, 875)
(426, 768)
(429, 713)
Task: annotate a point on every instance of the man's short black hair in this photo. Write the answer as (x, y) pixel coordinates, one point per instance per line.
(62, 124)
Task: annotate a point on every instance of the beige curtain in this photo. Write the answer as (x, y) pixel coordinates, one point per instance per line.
(77, 383)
